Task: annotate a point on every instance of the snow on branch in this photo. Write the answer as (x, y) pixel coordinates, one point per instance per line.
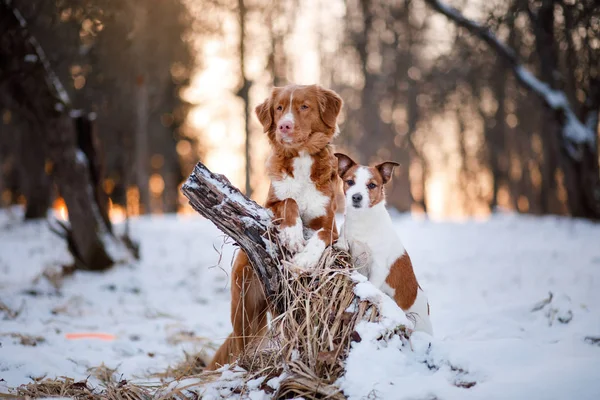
(52, 79)
(574, 131)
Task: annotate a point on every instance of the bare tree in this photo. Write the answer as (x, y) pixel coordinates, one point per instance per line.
(142, 155)
(578, 141)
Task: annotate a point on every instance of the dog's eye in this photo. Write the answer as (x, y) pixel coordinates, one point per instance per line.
(371, 186)
(279, 108)
(304, 107)
(350, 182)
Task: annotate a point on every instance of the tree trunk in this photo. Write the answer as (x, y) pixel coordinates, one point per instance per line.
(36, 88)
(370, 123)
(247, 223)
(401, 92)
(87, 141)
(33, 176)
(244, 94)
(141, 107)
(71, 174)
(543, 24)
(497, 154)
(277, 61)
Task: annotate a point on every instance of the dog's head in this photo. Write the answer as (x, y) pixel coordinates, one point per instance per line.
(363, 185)
(300, 117)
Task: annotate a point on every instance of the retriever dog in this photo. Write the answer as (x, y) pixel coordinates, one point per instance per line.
(300, 122)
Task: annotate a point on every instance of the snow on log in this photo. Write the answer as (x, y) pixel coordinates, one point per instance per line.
(214, 197)
(574, 131)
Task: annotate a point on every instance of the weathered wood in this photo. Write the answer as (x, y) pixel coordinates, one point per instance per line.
(249, 224)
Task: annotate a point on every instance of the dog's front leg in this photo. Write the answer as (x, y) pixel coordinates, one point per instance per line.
(342, 242)
(325, 233)
(290, 224)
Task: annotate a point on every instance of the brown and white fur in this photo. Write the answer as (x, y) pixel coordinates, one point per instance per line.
(300, 122)
(369, 235)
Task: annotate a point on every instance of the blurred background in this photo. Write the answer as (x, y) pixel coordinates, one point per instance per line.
(165, 83)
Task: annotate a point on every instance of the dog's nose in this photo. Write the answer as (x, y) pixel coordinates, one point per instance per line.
(286, 127)
(356, 198)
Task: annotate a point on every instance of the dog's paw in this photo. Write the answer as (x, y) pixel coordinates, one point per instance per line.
(310, 256)
(306, 260)
(292, 238)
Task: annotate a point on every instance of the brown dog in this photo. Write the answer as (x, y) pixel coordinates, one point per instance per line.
(300, 122)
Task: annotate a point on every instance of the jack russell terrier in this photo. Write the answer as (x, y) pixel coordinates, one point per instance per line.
(369, 235)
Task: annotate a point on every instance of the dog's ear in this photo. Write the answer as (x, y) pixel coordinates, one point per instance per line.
(344, 163)
(265, 112)
(386, 169)
(330, 105)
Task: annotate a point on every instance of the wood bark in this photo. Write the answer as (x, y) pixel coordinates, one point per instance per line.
(215, 198)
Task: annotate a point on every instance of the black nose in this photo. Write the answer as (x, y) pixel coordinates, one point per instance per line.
(357, 197)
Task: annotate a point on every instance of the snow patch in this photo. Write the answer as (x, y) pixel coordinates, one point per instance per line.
(481, 298)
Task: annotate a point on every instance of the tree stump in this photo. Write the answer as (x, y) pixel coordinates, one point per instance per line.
(250, 225)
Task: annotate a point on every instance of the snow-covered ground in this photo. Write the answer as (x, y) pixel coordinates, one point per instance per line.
(483, 279)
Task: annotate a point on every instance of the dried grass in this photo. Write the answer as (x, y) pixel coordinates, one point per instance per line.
(9, 313)
(82, 390)
(25, 340)
(192, 364)
(311, 340)
(55, 275)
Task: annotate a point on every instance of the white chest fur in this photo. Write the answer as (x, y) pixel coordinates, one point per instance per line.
(311, 202)
(372, 231)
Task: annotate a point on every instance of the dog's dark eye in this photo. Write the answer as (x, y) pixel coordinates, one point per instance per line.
(371, 186)
(279, 108)
(304, 107)
(350, 182)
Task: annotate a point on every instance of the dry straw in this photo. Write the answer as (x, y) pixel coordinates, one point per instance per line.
(311, 340)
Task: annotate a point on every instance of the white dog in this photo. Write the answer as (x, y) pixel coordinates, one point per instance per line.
(369, 235)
